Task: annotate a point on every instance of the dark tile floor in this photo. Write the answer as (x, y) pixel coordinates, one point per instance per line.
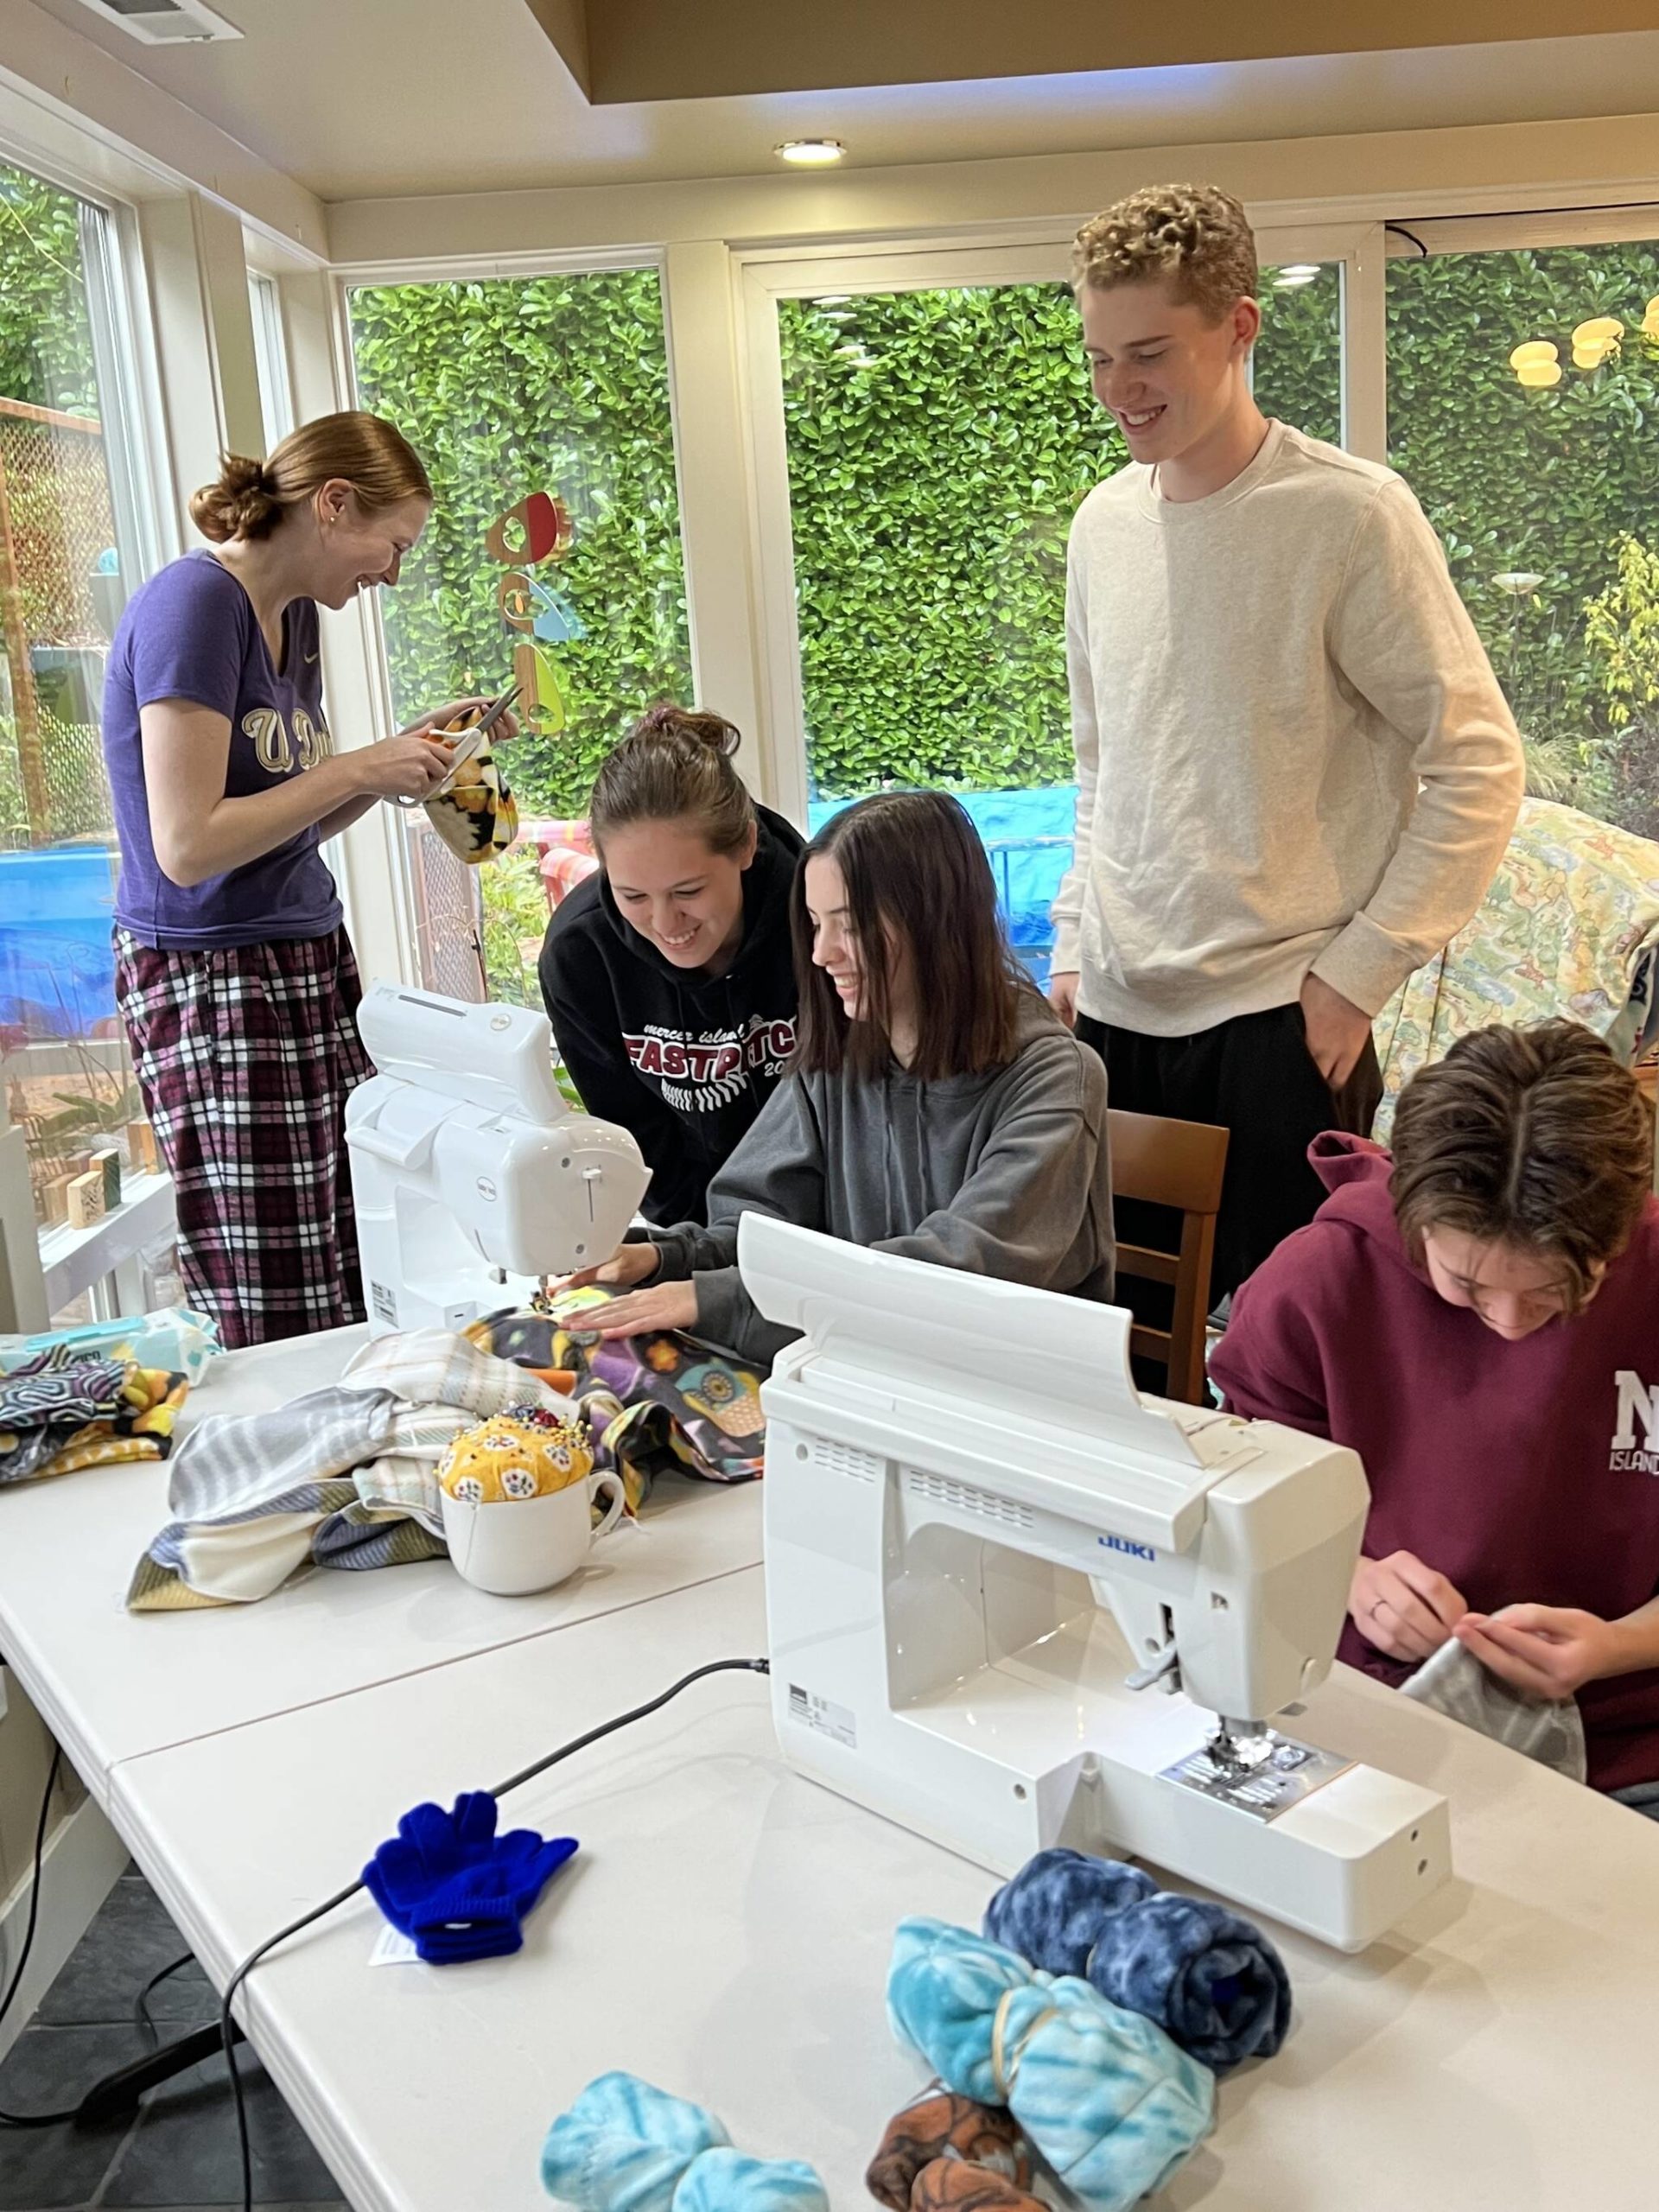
(180, 2150)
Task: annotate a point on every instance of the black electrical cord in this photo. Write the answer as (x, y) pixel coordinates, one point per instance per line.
(1401, 231)
(227, 2024)
(33, 2119)
(141, 2015)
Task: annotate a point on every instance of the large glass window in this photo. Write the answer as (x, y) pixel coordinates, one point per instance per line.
(938, 443)
(270, 358)
(66, 560)
(540, 406)
(1523, 388)
(1296, 370)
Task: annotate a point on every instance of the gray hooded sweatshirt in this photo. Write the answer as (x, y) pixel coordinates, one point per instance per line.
(1005, 1173)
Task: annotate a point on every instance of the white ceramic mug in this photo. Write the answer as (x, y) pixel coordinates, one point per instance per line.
(515, 1545)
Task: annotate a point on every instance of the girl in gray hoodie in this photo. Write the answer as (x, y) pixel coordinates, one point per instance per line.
(935, 1107)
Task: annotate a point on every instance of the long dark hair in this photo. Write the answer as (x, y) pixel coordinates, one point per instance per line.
(914, 866)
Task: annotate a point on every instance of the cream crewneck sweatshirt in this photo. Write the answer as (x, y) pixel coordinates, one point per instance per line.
(1292, 751)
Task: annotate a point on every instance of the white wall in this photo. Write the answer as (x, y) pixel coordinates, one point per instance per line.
(1379, 174)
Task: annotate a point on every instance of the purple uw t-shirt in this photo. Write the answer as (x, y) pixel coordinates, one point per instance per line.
(191, 633)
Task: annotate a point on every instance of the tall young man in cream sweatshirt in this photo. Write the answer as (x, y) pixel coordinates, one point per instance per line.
(1296, 774)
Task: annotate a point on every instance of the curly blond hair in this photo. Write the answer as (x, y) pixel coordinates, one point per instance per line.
(1192, 232)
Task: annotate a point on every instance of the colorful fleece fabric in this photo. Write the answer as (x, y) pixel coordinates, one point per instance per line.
(939, 2128)
(653, 1404)
(953, 2185)
(1104, 2094)
(343, 1477)
(625, 2147)
(1211, 1981)
(58, 1412)
(476, 816)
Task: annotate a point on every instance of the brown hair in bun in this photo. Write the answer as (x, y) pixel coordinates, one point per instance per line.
(248, 498)
(676, 765)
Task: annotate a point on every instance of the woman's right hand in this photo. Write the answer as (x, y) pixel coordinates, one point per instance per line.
(410, 765)
(632, 1265)
(1402, 1607)
(1063, 995)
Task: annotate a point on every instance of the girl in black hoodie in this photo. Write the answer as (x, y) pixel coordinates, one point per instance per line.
(668, 976)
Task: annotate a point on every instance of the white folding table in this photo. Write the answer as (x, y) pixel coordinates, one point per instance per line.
(114, 1685)
(725, 1929)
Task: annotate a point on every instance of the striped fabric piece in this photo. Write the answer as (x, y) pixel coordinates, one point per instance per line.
(344, 1477)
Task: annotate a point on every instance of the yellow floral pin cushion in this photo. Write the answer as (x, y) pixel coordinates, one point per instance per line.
(525, 1452)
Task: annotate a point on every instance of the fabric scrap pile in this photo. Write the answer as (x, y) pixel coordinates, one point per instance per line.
(654, 1404)
(343, 1477)
(60, 1412)
(1075, 2047)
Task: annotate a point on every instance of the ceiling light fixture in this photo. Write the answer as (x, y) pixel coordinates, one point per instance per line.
(1297, 274)
(810, 153)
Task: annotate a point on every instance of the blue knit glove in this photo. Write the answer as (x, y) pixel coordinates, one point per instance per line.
(454, 1887)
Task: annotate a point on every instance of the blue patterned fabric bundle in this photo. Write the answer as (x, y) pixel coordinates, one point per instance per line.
(1106, 2097)
(1209, 1980)
(625, 2146)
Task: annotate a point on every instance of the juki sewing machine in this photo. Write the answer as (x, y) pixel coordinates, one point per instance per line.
(963, 1490)
(473, 1177)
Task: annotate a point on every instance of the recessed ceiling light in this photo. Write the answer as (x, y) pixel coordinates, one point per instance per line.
(1298, 273)
(810, 153)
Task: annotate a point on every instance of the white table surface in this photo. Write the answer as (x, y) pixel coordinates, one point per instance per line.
(725, 1931)
(112, 1685)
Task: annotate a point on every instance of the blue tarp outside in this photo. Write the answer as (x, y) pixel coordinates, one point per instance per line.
(57, 970)
(57, 966)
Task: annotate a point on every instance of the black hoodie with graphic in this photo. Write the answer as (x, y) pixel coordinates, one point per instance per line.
(683, 1059)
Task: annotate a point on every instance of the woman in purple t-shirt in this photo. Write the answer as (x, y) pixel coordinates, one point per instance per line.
(234, 976)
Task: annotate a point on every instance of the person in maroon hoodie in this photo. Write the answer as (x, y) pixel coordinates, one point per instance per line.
(1478, 1316)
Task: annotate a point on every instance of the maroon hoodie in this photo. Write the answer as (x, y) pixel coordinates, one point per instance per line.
(1524, 1472)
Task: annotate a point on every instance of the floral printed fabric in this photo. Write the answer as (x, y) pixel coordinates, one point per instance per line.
(653, 1404)
(58, 1413)
(1570, 927)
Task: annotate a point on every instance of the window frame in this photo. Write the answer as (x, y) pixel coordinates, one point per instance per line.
(1022, 254)
(270, 355)
(126, 370)
(380, 900)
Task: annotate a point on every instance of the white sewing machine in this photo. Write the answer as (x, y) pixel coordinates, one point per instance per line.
(963, 1489)
(473, 1177)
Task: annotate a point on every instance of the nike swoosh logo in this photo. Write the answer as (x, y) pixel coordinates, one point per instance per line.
(311, 659)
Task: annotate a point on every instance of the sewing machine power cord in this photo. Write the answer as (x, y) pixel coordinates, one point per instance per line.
(226, 2023)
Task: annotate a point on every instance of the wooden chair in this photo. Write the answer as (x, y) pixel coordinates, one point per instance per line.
(1176, 1163)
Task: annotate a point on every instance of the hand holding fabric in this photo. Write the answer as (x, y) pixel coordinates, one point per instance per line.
(1548, 1651)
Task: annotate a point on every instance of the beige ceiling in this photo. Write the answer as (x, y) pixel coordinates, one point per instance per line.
(366, 98)
(663, 49)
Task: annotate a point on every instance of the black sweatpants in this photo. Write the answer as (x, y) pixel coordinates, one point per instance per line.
(1254, 1076)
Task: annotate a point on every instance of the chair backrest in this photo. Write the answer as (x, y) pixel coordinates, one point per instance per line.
(1179, 1165)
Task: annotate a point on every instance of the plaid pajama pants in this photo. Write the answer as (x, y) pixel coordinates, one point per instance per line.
(245, 1058)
